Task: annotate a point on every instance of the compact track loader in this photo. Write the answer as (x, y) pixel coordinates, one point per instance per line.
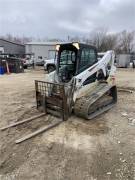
(80, 84)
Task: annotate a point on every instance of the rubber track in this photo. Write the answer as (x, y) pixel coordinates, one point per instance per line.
(88, 103)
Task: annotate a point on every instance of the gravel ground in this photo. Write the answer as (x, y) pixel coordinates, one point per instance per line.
(100, 149)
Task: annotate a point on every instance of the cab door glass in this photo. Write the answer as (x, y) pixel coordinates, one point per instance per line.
(88, 58)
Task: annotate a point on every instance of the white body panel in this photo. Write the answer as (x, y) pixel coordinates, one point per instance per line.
(102, 64)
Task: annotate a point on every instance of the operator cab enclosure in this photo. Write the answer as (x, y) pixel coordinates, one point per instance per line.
(73, 59)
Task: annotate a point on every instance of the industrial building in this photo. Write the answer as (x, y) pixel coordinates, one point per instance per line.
(41, 50)
(8, 47)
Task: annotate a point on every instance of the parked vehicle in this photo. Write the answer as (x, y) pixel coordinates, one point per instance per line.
(27, 62)
(49, 65)
(39, 61)
(80, 84)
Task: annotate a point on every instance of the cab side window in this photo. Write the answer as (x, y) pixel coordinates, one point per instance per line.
(88, 58)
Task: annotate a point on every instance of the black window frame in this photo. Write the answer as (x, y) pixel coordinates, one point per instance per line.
(80, 58)
(69, 47)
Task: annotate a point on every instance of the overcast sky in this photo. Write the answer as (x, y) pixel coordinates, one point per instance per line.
(60, 18)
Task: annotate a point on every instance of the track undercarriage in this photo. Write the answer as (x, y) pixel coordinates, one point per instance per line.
(91, 105)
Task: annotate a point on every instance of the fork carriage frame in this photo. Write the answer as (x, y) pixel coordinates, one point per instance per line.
(50, 102)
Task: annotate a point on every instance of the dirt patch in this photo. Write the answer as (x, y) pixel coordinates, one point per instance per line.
(92, 127)
(100, 149)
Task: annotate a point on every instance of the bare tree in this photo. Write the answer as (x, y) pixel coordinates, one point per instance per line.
(99, 37)
(17, 39)
(109, 42)
(102, 39)
(126, 41)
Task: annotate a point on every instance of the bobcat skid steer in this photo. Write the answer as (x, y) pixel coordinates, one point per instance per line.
(80, 83)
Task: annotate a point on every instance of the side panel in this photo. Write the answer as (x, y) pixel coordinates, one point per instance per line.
(100, 65)
(12, 48)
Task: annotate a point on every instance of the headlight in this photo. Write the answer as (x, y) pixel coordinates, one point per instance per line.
(76, 45)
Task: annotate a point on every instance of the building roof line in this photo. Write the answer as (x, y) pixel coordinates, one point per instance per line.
(45, 43)
(11, 42)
